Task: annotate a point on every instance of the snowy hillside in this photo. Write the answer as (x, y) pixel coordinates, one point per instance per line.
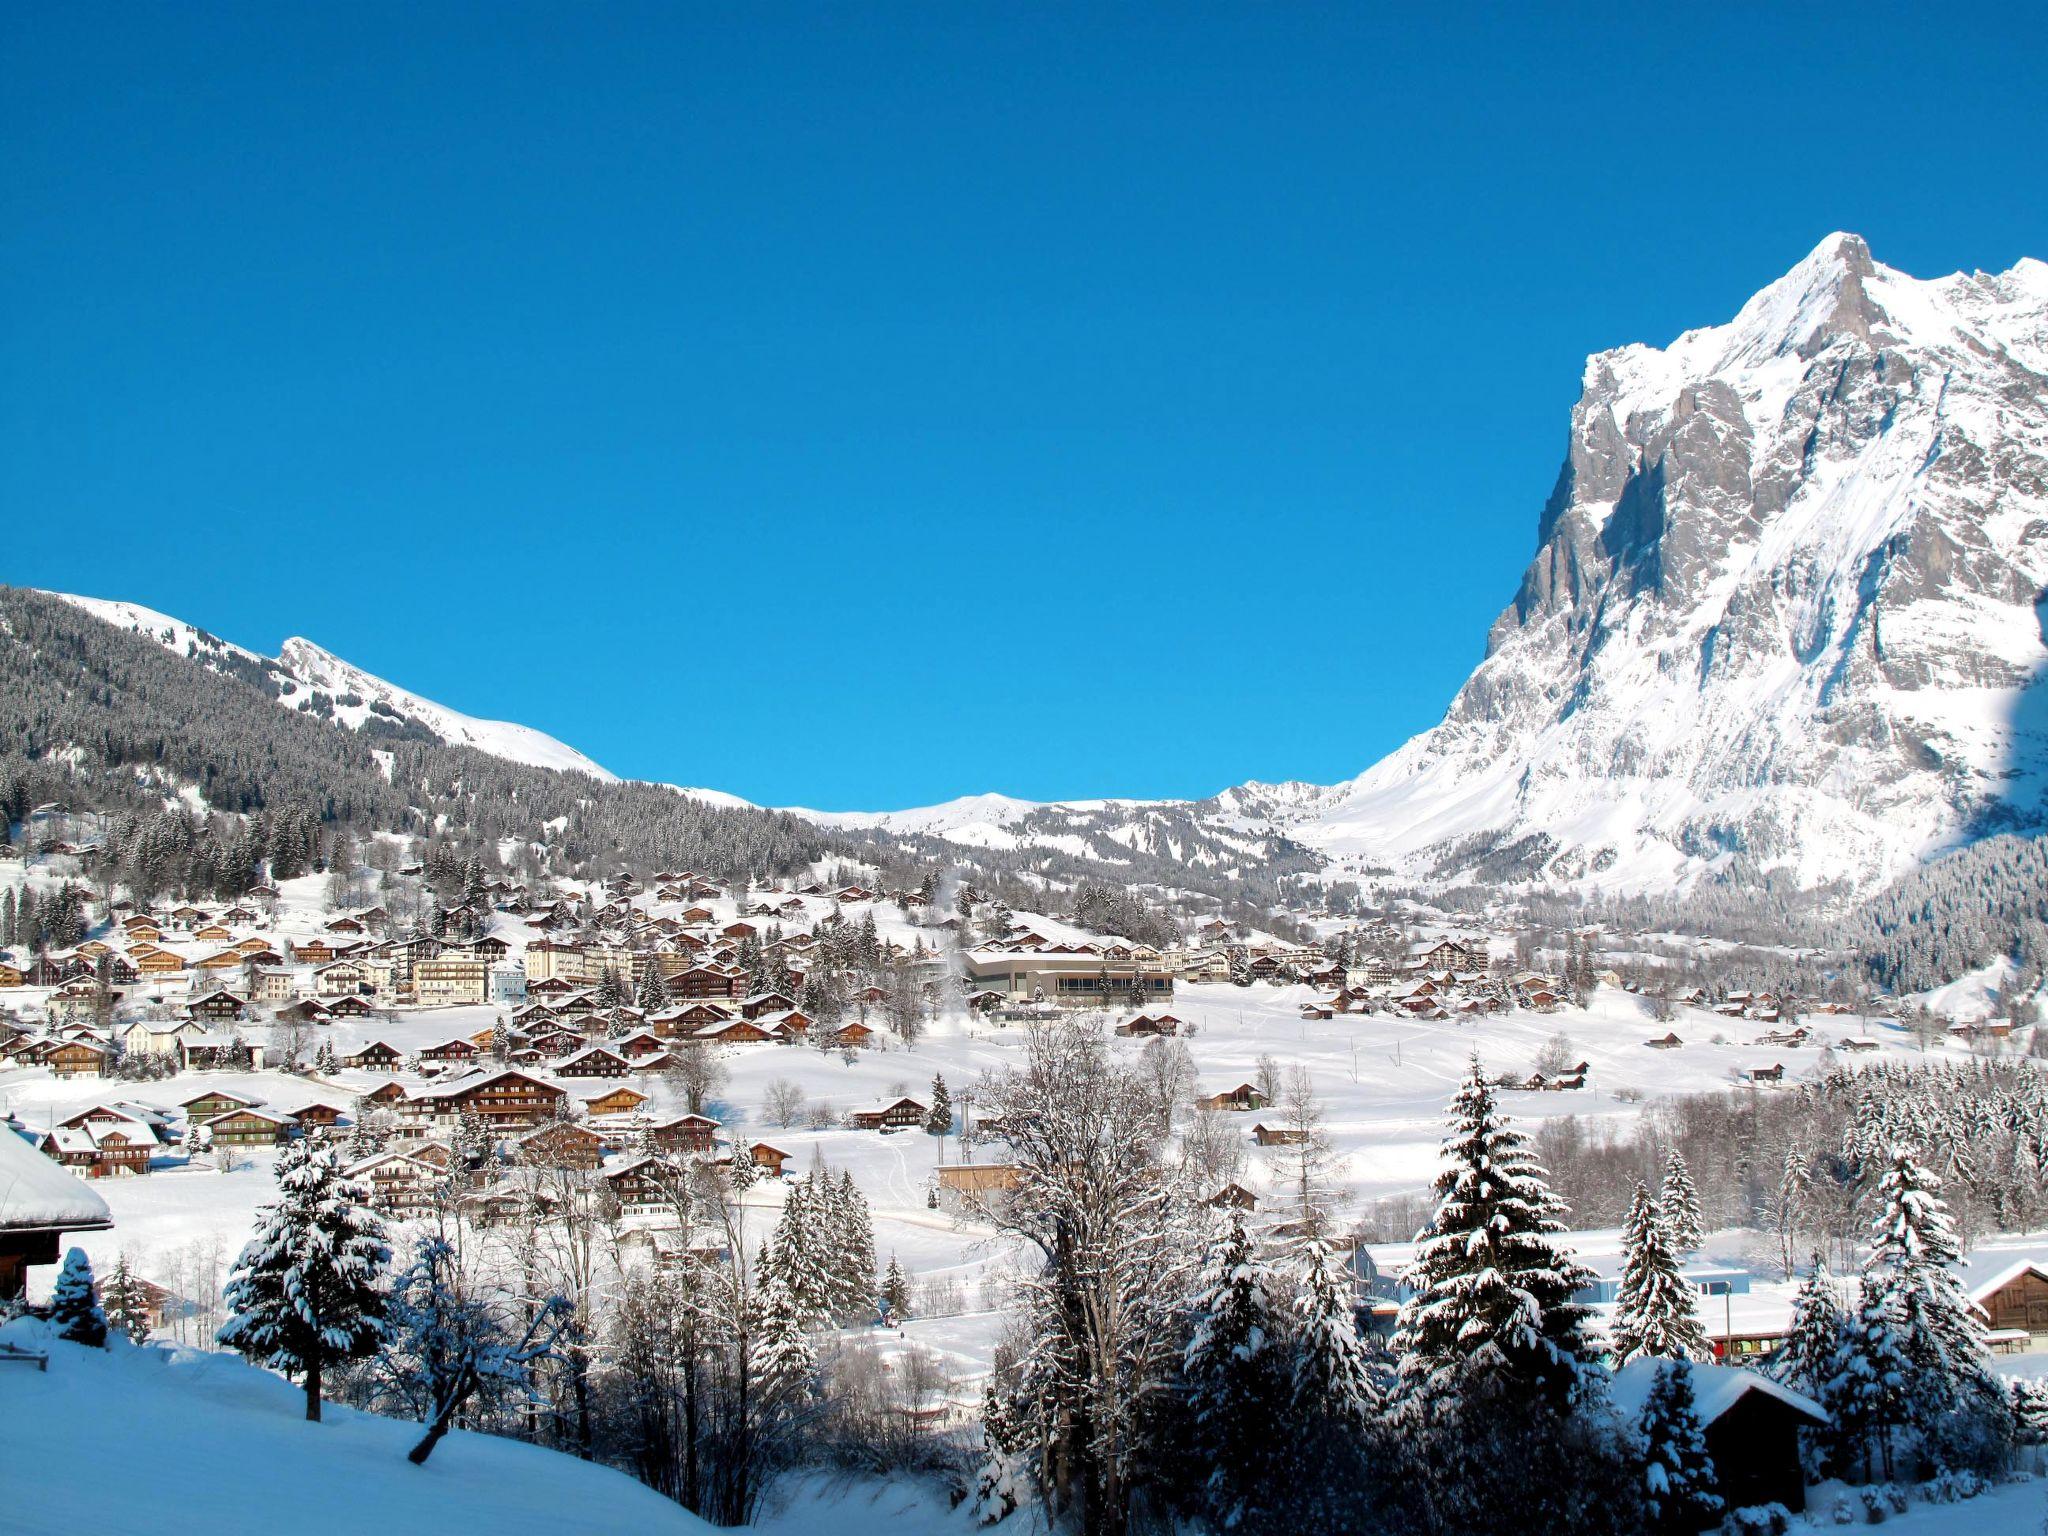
(301, 670)
(199, 1431)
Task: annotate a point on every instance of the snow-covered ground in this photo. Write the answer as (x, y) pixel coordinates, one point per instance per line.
(128, 1439)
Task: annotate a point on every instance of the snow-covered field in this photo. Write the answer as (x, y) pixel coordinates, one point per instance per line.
(134, 1439)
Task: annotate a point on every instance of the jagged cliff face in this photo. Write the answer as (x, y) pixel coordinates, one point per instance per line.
(1784, 613)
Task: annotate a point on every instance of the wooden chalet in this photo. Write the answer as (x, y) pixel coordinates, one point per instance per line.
(593, 1061)
(615, 1101)
(1239, 1100)
(692, 1135)
(248, 1126)
(351, 1007)
(222, 1007)
(376, 1056)
(900, 1114)
(1278, 1136)
(561, 1144)
(78, 1058)
(399, 1183)
(646, 1186)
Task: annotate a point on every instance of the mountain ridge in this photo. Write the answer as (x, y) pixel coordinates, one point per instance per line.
(1785, 620)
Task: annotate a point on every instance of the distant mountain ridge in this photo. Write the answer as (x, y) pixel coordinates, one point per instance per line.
(1785, 621)
(303, 673)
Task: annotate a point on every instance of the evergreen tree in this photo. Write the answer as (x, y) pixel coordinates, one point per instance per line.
(1678, 1475)
(127, 1304)
(1681, 1206)
(1002, 1479)
(653, 995)
(896, 1291)
(1867, 1392)
(74, 1308)
(855, 1270)
(307, 1291)
(1654, 1312)
(1493, 1285)
(1235, 1375)
(1809, 1360)
(1330, 1374)
(1914, 1249)
(796, 1258)
(784, 1361)
(939, 1120)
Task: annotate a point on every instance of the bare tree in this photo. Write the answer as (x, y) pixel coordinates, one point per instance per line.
(783, 1102)
(1112, 1233)
(697, 1075)
(1168, 1071)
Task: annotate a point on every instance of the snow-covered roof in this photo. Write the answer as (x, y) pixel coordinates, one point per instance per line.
(1991, 1268)
(36, 1193)
(1715, 1389)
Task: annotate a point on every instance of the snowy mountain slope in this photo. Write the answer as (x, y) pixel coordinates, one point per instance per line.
(1785, 604)
(302, 670)
(1785, 615)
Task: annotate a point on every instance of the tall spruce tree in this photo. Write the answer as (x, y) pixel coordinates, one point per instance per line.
(1654, 1313)
(1914, 1250)
(1493, 1284)
(1330, 1375)
(127, 1304)
(1678, 1474)
(1868, 1392)
(1235, 1375)
(939, 1119)
(1680, 1202)
(307, 1291)
(1810, 1360)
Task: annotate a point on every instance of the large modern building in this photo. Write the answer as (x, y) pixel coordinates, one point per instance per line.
(1074, 980)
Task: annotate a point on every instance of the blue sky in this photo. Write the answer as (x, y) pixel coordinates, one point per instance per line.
(860, 406)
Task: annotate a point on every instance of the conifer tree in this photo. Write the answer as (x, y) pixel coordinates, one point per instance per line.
(1654, 1313)
(1237, 1385)
(1867, 1394)
(855, 1269)
(784, 1361)
(796, 1260)
(653, 995)
(307, 1292)
(1330, 1375)
(1678, 1475)
(938, 1121)
(74, 1308)
(1681, 1206)
(127, 1304)
(1809, 1360)
(896, 1290)
(1001, 1481)
(1493, 1283)
(1914, 1249)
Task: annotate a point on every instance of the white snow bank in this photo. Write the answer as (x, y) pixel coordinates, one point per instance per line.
(196, 1431)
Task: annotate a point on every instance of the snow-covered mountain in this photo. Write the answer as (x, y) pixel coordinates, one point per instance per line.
(304, 676)
(1786, 606)
(1784, 614)
(1785, 617)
